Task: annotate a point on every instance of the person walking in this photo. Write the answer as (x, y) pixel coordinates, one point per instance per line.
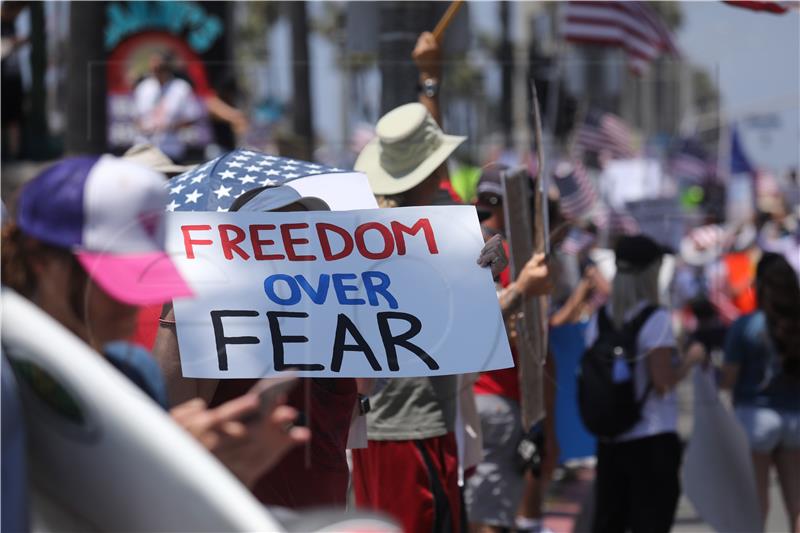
(762, 368)
(637, 485)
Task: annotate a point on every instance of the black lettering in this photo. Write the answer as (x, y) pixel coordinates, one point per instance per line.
(222, 341)
(343, 325)
(390, 341)
(278, 340)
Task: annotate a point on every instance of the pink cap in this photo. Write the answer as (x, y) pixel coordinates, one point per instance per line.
(136, 279)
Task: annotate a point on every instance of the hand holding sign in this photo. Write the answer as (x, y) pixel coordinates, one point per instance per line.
(349, 294)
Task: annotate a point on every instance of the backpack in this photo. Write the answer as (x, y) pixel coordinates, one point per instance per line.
(606, 392)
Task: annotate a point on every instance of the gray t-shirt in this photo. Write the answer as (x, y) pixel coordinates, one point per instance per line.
(413, 408)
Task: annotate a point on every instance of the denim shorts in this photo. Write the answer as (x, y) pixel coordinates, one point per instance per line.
(768, 429)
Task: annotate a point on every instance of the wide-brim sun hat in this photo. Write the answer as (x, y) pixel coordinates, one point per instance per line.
(409, 146)
(109, 212)
(151, 157)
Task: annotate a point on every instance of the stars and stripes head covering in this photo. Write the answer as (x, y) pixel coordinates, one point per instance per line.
(213, 186)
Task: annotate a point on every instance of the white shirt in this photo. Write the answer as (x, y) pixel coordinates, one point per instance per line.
(659, 413)
(163, 108)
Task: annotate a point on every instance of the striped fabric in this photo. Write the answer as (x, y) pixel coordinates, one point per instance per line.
(577, 192)
(690, 160)
(605, 133)
(631, 26)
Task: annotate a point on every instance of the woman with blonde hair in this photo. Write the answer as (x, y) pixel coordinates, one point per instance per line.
(637, 484)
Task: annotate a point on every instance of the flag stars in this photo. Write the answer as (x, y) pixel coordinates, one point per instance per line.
(292, 176)
(248, 179)
(193, 196)
(253, 168)
(227, 174)
(241, 157)
(223, 191)
(198, 178)
(272, 172)
(267, 182)
(173, 205)
(177, 189)
(234, 164)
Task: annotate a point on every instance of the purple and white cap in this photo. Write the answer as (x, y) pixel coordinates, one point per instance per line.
(110, 213)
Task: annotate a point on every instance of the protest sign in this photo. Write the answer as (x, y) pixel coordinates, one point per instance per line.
(379, 292)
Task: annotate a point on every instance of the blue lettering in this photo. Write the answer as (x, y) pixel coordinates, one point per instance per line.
(378, 283)
(269, 288)
(342, 289)
(319, 295)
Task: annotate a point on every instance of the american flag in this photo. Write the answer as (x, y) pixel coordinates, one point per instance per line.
(777, 8)
(617, 222)
(576, 191)
(213, 186)
(690, 160)
(577, 241)
(631, 26)
(605, 133)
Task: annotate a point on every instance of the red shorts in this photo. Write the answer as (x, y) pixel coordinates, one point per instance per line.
(414, 481)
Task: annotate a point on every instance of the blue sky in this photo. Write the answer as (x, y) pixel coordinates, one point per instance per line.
(757, 59)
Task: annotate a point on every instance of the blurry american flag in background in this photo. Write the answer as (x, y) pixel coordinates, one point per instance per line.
(577, 192)
(690, 160)
(632, 26)
(605, 133)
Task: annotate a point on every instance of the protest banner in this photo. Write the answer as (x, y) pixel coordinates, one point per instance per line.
(379, 292)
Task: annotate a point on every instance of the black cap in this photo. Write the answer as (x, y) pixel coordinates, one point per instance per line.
(637, 252)
(490, 190)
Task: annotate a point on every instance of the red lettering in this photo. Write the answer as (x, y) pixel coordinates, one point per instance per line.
(388, 241)
(422, 224)
(322, 229)
(188, 242)
(289, 242)
(232, 245)
(258, 242)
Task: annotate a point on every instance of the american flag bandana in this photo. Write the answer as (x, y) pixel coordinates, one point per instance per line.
(214, 185)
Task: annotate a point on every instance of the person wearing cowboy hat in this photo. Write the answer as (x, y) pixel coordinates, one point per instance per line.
(410, 468)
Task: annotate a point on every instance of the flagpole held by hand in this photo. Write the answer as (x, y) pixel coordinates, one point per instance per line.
(447, 18)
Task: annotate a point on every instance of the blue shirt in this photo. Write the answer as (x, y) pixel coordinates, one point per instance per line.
(761, 381)
(138, 366)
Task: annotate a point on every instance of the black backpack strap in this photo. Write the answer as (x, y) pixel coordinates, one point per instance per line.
(631, 332)
(604, 324)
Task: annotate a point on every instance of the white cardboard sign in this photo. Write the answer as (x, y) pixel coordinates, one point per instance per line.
(378, 292)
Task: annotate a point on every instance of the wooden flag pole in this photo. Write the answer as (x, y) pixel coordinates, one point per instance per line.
(447, 18)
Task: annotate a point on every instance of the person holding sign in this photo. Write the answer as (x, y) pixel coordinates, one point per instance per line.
(87, 247)
(410, 469)
(314, 476)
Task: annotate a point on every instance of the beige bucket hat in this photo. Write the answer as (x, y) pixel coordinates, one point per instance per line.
(151, 157)
(409, 146)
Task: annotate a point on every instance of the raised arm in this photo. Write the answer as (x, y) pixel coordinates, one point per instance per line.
(427, 55)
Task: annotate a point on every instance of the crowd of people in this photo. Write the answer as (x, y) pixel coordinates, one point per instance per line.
(82, 233)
